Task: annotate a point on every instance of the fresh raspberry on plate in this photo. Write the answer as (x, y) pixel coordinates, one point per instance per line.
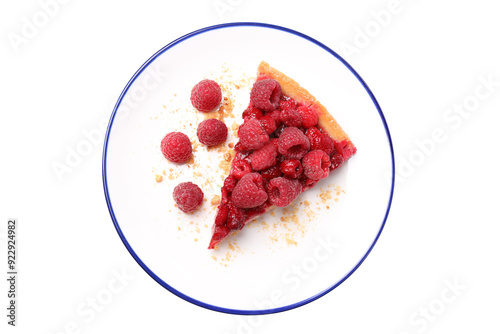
(283, 191)
(212, 132)
(249, 191)
(316, 165)
(266, 94)
(188, 196)
(293, 143)
(176, 147)
(252, 135)
(206, 95)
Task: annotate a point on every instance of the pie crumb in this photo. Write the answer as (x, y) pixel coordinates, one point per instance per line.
(215, 200)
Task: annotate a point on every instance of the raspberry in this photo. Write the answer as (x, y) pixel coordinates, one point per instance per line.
(252, 135)
(275, 142)
(293, 144)
(221, 216)
(249, 191)
(266, 94)
(271, 172)
(276, 115)
(230, 182)
(264, 157)
(206, 95)
(283, 191)
(252, 112)
(268, 123)
(176, 147)
(235, 218)
(309, 116)
(307, 182)
(240, 148)
(289, 113)
(336, 160)
(188, 196)
(291, 168)
(212, 132)
(320, 140)
(316, 165)
(240, 169)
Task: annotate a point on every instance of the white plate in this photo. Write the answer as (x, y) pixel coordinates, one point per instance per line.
(269, 266)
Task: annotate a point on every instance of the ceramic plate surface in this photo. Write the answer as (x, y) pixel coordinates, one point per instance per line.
(282, 260)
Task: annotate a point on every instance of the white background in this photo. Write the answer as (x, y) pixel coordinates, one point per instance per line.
(434, 269)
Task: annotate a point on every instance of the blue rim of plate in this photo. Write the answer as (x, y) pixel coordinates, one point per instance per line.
(110, 206)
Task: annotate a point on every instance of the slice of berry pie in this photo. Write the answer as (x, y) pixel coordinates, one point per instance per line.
(287, 143)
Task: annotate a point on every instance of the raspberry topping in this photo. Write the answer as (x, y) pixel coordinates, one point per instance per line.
(290, 116)
(336, 160)
(271, 172)
(240, 148)
(235, 218)
(266, 94)
(316, 165)
(240, 169)
(291, 168)
(309, 116)
(176, 147)
(249, 191)
(230, 182)
(252, 135)
(268, 123)
(283, 191)
(252, 112)
(212, 132)
(221, 216)
(206, 95)
(188, 196)
(276, 115)
(320, 140)
(264, 157)
(293, 143)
